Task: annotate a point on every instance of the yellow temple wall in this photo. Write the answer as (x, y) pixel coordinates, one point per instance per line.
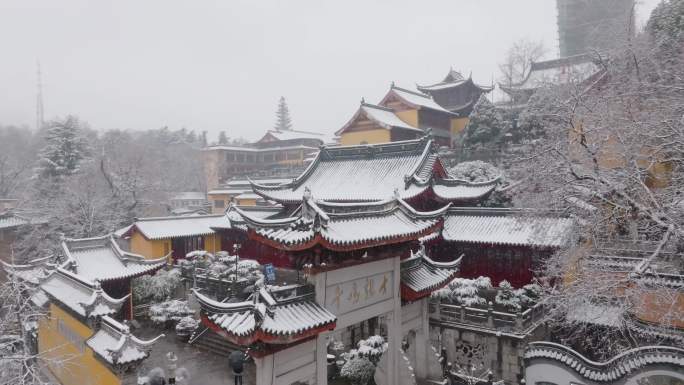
(368, 136)
(150, 249)
(409, 117)
(68, 357)
(246, 201)
(212, 243)
(226, 198)
(458, 125)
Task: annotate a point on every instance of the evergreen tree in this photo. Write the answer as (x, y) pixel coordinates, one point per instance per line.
(283, 121)
(507, 296)
(486, 125)
(203, 139)
(64, 149)
(222, 138)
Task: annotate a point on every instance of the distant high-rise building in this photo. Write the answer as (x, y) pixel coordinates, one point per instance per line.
(584, 25)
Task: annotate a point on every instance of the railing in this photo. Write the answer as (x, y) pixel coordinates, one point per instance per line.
(220, 287)
(520, 322)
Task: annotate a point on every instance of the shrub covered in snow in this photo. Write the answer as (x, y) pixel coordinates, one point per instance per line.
(474, 171)
(186, 326)
(463, 291)
(155, 288)
(371, 349)
(508, 297)
(359, 371)
(199, 254)
(529, 294)
(172, 310)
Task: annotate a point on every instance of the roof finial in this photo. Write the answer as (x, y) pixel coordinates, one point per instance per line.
(392, 86)
(396, 193)
(307, 193)
(363, 100)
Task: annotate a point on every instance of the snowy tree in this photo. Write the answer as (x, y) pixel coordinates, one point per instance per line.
(65, 149)
(156, 288)
(486, 125)
(518, 60)
(474, 171)
(169, 311)
(20, 362)
(463, 291)
(507, 297)
(359, 371)
(283, 121)
(203, 139)
(222, 138)
(611, 157)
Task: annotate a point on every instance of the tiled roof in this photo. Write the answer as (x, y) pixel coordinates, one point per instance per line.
(265, 318)
(293, 135)
(102, 259)
(10, 219)
(505, 227)
(457, 190)
(32, 273)
(452, 79)
(360, 173)
(82, 296)
(344, 226)
(385, 117)
(420, 275)
(630, 362)
(174, 227)
(116, 345)
(415, 98)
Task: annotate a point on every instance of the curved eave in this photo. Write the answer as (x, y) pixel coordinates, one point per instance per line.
(408, 294)
(318, 239)
(214, 306)
(259, 335)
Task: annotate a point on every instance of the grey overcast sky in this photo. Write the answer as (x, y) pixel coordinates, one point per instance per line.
(222, 65)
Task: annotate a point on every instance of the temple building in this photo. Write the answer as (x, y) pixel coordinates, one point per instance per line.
(278, 154)
(458, 95)
(370, 256)
(401, 114)
(173, 237)
(81, 337)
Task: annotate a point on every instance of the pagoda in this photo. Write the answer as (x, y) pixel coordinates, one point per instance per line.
(456, 93)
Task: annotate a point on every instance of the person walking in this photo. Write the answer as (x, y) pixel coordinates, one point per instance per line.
(237, 363)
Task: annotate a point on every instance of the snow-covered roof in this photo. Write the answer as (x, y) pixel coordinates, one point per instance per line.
(82, 296)
(266, 318)
(189, 195)
(365, 173)
(32, 273)
(115, 344)
(10, 219)
(420, 275)
(258, 149)
(386, 117)
(175, 227)
(462, 191)
(248, 195)
(293, 135)
(102, 259)
(345, 226)
(505, 227)
(588, 313)
(451, 80)
(414, 98)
